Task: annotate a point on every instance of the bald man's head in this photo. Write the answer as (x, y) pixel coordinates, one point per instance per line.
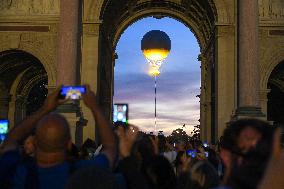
(52, 133)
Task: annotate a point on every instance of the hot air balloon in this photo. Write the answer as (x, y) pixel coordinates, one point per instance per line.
(156, 46)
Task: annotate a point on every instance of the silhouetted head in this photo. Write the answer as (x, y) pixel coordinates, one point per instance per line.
(29, 147)
(202, 176)
(178, 160)
(243, 134)
(162, 143)
(143, 148)
(245, 150)
(160, 173)
(180, 145)
(52, 134)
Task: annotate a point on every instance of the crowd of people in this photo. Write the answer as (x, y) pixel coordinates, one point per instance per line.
(38, 153)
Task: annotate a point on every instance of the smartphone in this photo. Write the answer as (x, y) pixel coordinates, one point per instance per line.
(4, 128)
(191, 153)
(205, 145)
(72, 92)
(206, 154)
(120, 113)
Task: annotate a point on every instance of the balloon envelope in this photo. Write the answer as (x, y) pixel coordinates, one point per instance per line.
(156, 45)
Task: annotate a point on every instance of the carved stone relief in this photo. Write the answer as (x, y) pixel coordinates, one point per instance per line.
(92, 10)
(29, 7)
(91, 29)
(225, 31)
(271, 9)
(42, 46)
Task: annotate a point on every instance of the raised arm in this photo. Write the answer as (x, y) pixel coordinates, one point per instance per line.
(24, 128)
(105, 131)
(128, 165)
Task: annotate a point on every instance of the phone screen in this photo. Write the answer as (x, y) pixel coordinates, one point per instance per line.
(191, 153)
(72, 92)
(205, 144)
(4, 127)
(120, 113)
(206, 154)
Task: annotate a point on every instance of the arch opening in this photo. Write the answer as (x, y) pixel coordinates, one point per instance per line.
(275, 103)
(21, 75)
(199, 16)
(177, 87)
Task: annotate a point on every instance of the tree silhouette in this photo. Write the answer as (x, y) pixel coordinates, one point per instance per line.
(196, 133)
(178, 134)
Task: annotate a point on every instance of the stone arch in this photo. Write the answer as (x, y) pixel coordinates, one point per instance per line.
(275, 97)
(152, 12)
(29, 88)
(201, 16)
(46, 60)
(92, 9)
(31, 83)
(274, 58)
(222, 8)
(12, 104)
(20, 70)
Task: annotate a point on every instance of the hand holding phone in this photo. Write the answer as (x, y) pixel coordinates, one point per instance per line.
(90, 99)
(52, 101)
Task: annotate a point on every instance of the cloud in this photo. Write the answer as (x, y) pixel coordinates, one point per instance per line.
(171, 84)
(176, 99)
(170, 115)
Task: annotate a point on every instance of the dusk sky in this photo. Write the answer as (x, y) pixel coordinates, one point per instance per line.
(177, 85)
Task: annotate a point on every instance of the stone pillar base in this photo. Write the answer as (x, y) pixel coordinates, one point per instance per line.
(73, 114)
(249, 111)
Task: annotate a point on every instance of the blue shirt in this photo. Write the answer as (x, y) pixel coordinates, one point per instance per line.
(54, 177)
(8, 165)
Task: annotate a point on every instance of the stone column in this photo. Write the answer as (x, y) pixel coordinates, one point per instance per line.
(4, 101)
(248, 59)
(263, 100)
(20, 110)
(90, 68)
(203, 125)
(206, 99)
(225, 71)
(4, 106)
(67, 42)
(67, 59)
